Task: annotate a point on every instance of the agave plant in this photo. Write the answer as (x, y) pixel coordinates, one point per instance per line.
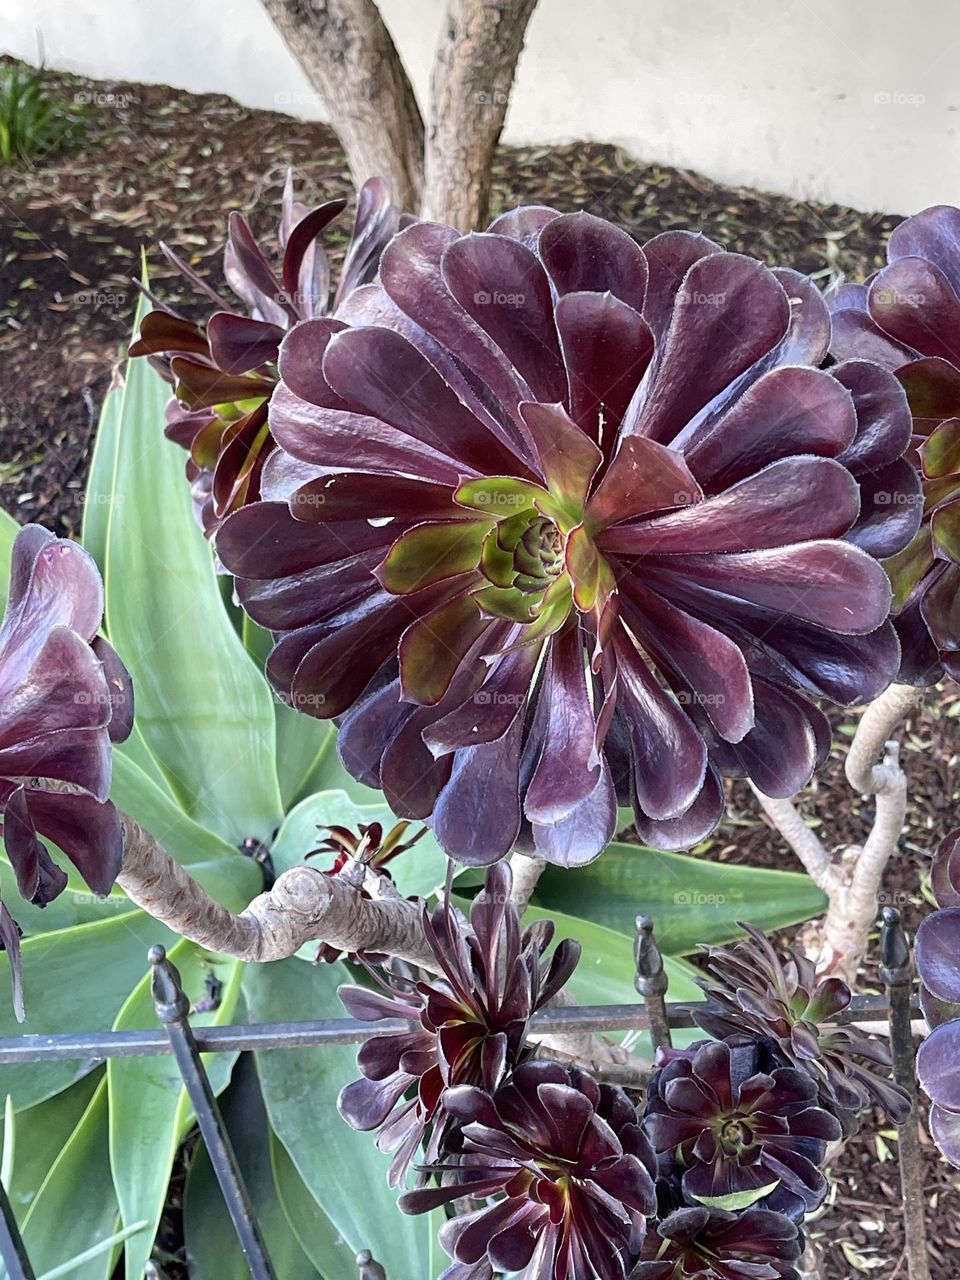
(741, 1129)
(529, 533)
(223, 371)
(908, 319)
(473, 1020)
(569, 1167)
(755, 989)
(938, 963)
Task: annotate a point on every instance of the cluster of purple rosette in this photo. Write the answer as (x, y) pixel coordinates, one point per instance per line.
(553, 1175)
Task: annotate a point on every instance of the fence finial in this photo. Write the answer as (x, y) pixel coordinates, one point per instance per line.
(168, 997)
(651, 981)
(370, 1269)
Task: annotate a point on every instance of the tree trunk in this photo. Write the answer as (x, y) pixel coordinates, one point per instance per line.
(469, 91)
(349, 56)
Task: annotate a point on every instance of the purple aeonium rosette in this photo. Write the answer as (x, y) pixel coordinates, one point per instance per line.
(560, 522)
(938, 964)
(756, 989)
(711, 1244)
(739, 1126)
(472, 1020)
(223, 372)
(907, 317)
(65, 698)
(566, 1173)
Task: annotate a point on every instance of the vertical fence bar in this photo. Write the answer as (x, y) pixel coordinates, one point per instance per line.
(172, 1008)
(651, 982)
(896, 970)
(12, 1249)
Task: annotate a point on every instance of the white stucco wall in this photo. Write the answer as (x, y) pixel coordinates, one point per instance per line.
(850, 100)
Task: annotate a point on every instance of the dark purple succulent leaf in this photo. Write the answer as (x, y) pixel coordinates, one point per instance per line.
(938, 1065)
(913, 301)
(65, 697)
(812, 413)
(584, 253)
(239, 344)
(945, 1130)
(938, 953)
(10, 943)
(503, 286)
(945, 871)
(712, 289)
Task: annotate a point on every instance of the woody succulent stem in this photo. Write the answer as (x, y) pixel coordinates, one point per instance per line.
(303, 906)
(852, 879)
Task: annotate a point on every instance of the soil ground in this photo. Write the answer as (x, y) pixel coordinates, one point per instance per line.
(155, 163)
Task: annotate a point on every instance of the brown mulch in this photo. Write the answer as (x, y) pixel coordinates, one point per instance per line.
(160, 164)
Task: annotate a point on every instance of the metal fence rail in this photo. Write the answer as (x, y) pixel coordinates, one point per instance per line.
(655, 1014)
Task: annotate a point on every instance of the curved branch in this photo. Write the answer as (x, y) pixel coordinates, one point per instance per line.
(303, 906)
(526, 872)
(877, 723)
(852, 883)
(803, 840)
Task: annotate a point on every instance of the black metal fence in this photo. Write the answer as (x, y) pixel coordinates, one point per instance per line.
(655, 1014)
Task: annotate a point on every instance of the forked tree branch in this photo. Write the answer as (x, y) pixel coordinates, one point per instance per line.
(853, 881)
(306, 906)
(802, 839)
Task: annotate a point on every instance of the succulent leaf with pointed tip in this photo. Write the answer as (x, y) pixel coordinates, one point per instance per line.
(224, 371)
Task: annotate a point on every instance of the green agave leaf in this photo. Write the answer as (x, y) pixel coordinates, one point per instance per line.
(320, 1240)
(41, 1133)
(99, 492)
(76, 979)
(8, 531)
(213, 1252)
(316, 1235)
(76, 1208)
(418, 872)
(690, 899)
(98, 499)
(149, 1108)
(307, 760)
(231, 877)
(343, 1170)
(203, 709)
